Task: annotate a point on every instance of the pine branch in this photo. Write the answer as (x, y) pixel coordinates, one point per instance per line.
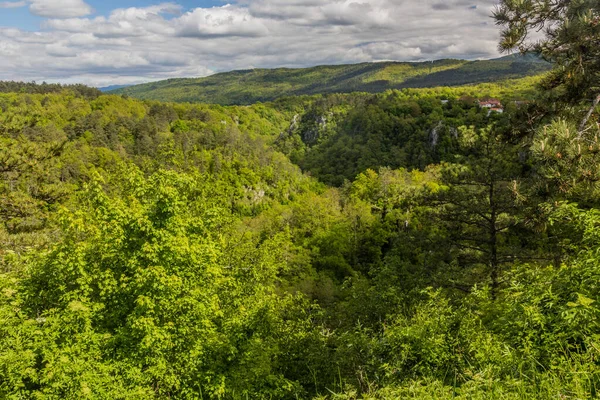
(588, 115)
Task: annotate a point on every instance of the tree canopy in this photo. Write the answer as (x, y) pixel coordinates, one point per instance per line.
(406, 244)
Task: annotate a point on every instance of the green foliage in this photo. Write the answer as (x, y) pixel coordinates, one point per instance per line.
(46, 88)
(336, 142)
(248, 87)
(174, 251)
(570, 32)
(568, 160)
(480, 206)
(149, 293)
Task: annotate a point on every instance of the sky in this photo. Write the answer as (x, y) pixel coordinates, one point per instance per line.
(110, 42)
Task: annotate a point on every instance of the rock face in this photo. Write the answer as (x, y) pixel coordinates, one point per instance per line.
(309, 127)
(294, 124)
(313, 132)
(434, 135)
(322, 122)
(438, 131)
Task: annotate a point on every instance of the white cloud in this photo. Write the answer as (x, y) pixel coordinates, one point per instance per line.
(122, 22)
(60, 50)
(137, 44)
(220, 22)
(12, 4)
(60, 8)
(383, 51)
(8, 49)
(325, 12)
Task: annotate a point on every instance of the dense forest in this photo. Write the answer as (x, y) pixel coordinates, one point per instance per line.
(404, 244)
(263, 85)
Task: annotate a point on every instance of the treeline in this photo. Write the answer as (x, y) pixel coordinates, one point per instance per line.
(46, 88)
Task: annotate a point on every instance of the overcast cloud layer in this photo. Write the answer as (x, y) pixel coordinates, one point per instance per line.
(134, 45)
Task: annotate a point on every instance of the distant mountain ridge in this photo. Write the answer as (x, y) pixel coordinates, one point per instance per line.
(261, 85)
(112, 87)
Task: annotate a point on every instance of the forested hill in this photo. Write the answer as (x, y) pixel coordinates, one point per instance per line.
(365, 246)
(160, 251)
(251, 86)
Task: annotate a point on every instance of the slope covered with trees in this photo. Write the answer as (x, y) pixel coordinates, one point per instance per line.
(178, 251)
(247, 87)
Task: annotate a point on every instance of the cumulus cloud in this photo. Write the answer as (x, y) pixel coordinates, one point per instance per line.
(136, 44)
(220, 22)
(60, 8)
(324, 12)
(60, 50)
(126, 22)
(392, 51)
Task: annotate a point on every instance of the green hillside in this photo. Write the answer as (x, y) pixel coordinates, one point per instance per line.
(395, 245)
(408, 244)
(251, 86)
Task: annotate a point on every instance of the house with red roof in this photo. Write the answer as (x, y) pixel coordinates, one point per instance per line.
(493, 106)
(490, 103)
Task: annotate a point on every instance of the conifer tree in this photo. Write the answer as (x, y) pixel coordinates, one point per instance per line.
(570, 38)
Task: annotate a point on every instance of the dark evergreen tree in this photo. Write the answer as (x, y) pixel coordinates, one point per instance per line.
(571, 40)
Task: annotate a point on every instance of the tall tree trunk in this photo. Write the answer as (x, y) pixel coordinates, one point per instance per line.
(493, 240)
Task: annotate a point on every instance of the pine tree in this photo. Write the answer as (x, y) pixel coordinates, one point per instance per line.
(479, 208)
(571, 40)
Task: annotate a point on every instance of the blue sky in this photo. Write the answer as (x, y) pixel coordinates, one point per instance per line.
(105, 7)
(20, 17)
(105, 42)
